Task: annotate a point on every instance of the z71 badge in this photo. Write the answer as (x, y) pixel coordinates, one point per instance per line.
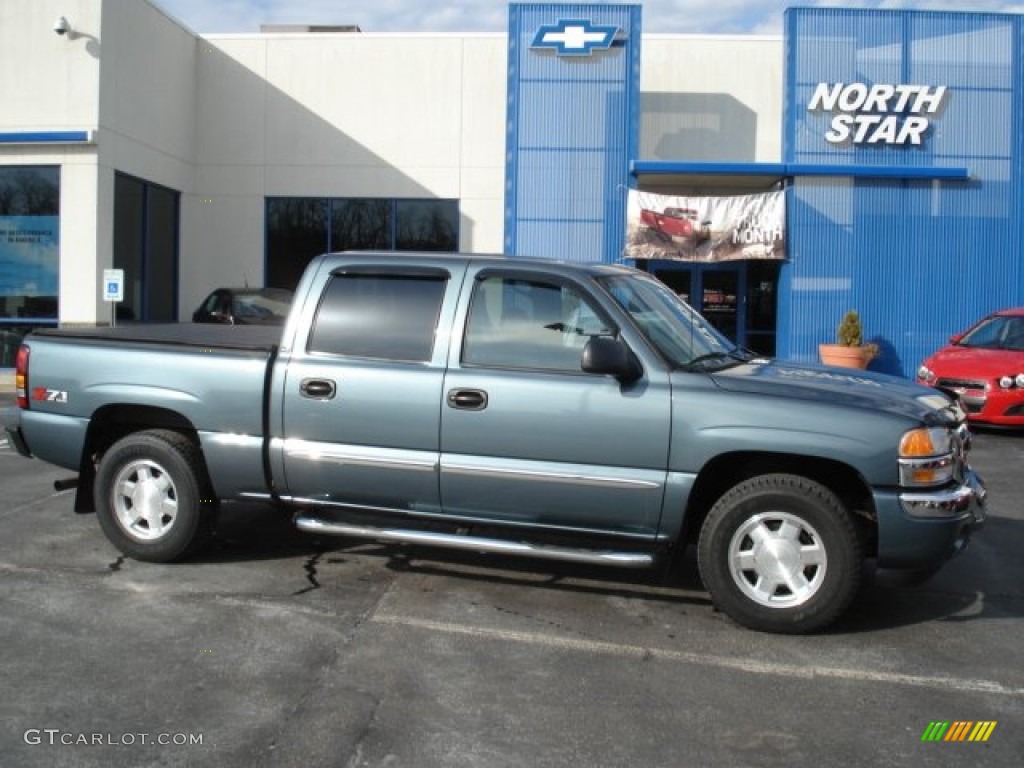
(50, 395)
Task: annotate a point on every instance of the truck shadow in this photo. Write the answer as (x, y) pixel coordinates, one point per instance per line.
(676, 582)
(972, 587)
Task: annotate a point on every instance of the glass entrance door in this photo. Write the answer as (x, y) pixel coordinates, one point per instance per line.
(714, 290)
(738, 297)
(719, 299)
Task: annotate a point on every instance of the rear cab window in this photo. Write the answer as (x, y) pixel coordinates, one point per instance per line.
(379, 315)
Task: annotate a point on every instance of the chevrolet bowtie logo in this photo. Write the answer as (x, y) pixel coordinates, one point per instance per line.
(575, 37)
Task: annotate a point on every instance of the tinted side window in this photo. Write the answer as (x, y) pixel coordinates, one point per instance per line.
(387, 317)
(529, 324)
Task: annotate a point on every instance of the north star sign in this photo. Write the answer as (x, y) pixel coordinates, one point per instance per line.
(879, 113)
(575, 37)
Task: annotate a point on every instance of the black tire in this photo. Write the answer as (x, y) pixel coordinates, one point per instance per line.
(153, 498)
(780, 553)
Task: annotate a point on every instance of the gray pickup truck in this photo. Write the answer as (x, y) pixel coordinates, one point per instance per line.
(578, 412)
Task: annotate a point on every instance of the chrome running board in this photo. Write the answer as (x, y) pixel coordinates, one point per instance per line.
(476, 543)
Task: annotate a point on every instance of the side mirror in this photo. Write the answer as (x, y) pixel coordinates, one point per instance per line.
(611, 357)
(955, 338)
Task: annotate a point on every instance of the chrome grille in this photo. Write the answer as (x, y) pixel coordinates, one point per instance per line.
(957, 384)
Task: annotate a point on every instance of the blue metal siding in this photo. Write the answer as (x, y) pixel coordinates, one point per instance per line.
(919, 259)
(572, 131)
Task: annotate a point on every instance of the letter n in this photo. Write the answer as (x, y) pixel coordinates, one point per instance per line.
(825, 97)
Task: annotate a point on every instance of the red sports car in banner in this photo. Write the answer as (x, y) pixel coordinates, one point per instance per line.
(984, 366)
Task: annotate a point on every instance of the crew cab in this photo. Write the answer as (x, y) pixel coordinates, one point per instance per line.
(578, 412)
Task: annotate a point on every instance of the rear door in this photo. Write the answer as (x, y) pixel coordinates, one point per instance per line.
(363, 388)
(526, 436)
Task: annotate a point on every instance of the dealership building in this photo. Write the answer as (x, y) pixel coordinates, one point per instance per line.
(864, 159)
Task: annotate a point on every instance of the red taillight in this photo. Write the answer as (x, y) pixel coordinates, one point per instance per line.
(21, 376)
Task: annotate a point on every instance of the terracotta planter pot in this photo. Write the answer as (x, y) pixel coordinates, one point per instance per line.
(844, 357)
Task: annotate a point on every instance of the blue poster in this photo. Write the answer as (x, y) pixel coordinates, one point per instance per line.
(29, 265)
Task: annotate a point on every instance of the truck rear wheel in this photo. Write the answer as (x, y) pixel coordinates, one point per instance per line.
(153, 498)
(780, 553)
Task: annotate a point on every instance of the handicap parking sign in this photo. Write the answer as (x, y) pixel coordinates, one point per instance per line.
(113, 285)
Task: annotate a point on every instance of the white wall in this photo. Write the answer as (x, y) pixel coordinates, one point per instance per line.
(712, 98)
(48, 82)
(341, 115)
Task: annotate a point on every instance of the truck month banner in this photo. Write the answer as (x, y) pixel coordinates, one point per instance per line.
(705, 228)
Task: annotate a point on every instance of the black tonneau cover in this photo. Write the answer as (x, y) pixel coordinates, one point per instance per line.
(243, 338)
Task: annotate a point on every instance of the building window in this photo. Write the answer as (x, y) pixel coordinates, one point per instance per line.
(299, 228)
(146, 248)
(29, 253)
(426, 225)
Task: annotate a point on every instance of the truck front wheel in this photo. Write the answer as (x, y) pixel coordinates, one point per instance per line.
(780, 553)
(152, 495)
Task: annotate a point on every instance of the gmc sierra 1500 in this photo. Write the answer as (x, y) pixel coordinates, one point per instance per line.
(570, 411)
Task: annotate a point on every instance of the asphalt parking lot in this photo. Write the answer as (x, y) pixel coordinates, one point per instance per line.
(280, 648)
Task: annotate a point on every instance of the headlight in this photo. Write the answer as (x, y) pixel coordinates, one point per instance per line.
(925, 374)
(1005, 382)
(926, 457)
(1020, 380)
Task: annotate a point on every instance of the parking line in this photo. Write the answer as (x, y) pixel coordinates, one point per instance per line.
(807, 672)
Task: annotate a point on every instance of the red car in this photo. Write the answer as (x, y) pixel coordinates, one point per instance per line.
(677, 224)
(984, 366)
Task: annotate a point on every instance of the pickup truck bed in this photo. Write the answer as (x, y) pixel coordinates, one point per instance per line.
(210, 379)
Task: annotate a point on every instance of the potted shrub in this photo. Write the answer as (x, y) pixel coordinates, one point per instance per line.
(849, 351)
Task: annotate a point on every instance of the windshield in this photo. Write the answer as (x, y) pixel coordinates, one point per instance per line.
(266, 304)
(681, 335)
(1000, 332)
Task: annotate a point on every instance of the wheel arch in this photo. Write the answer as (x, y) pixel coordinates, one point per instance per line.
(108, 425)
(728, 470)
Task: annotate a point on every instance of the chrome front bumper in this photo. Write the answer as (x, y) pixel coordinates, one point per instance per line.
(965, 500)
(922, 529)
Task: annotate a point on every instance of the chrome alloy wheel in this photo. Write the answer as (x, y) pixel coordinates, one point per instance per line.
(145, 500)
(777, 560)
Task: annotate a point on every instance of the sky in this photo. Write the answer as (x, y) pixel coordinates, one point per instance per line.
(744, 17)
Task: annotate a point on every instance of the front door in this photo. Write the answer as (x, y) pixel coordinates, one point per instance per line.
(527, 437)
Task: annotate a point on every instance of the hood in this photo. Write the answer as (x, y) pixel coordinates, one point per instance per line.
(859, 390)
(975, 363)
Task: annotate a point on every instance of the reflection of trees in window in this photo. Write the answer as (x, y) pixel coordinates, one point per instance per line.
(360, 224)
(296, 232)
(427, 225)
(29, 191)
(297, 229)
